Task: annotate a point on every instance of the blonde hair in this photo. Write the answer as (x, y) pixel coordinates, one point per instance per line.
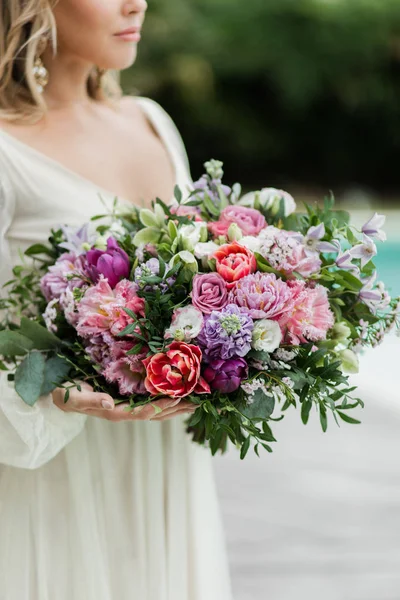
(23, 25)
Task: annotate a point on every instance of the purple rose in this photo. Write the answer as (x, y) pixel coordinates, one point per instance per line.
(209, 292)
(113, 263)
(226, 375)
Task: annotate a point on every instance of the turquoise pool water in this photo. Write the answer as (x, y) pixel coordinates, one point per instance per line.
(388, 264)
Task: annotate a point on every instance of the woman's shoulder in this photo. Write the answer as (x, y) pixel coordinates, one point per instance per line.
(157, 114)
(134, 105)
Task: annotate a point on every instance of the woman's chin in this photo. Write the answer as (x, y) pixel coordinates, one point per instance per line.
(124, 62)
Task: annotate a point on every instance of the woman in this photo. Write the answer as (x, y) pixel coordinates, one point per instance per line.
(91, 508)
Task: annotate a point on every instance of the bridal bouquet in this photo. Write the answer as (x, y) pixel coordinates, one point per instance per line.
(236, 303)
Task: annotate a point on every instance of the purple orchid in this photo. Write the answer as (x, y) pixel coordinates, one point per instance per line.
(113, 263)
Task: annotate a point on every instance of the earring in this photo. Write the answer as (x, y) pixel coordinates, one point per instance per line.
(100, 75)
(40, 72)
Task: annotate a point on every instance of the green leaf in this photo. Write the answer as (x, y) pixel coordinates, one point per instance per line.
(149, 235)
(55, 372)
(39, 249)
(353, 282)
(322, 417)
(264, 266)
(42, 338)
(262, 406)
(305, 411)
(209, 205)
(29, 377)
(178, 193)
(268, 435)
(196, 418)
(157, 409)
(13, 343)
(148, 218)
(347, 418)
(172, 230)
(245, 448)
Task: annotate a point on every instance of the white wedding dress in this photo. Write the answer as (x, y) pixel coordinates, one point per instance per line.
(93, 510)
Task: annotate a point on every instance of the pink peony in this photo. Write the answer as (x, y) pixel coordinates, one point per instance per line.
(128, 372)
(310, 316)
(250, 220)
(233, 262)
(263, 296)
(101, 308)
(209, 292)
(285, 252)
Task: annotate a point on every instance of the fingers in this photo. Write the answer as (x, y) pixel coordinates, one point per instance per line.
(183, 407)
(84, 400)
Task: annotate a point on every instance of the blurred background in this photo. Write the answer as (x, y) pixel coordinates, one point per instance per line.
(302, 95)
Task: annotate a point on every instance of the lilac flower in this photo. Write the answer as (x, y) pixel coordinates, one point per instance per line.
(226, 375)
(226, 333)
(151, 268)
(372, 228)
(366, 251)
(79, 240)
(113, 263)
(208, 186)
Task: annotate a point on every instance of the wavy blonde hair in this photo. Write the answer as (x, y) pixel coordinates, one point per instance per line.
(23, 24)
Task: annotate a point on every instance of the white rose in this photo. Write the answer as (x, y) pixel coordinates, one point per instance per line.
(186, 324)
(190, 235)
(266, 336)
(251, 243)
(205, 249)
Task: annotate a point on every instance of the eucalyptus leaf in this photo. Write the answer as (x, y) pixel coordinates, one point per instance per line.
(55, 372)
(261, 407)
(29, 377)
(13, 343)
(41, 337)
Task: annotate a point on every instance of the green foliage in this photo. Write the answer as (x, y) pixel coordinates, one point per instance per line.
(279, 89)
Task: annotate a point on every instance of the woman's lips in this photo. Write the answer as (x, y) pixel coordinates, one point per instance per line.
(133, 36)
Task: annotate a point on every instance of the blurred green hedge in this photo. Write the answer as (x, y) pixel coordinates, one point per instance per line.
(283, 91)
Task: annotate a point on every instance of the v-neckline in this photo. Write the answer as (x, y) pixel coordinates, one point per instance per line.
(88, 182)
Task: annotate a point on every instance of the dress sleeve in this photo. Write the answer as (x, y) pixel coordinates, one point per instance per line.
(29, 436)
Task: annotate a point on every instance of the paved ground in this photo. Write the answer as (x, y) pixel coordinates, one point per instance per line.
(319, 519)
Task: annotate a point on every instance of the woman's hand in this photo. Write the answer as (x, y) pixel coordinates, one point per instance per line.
(102, 405)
